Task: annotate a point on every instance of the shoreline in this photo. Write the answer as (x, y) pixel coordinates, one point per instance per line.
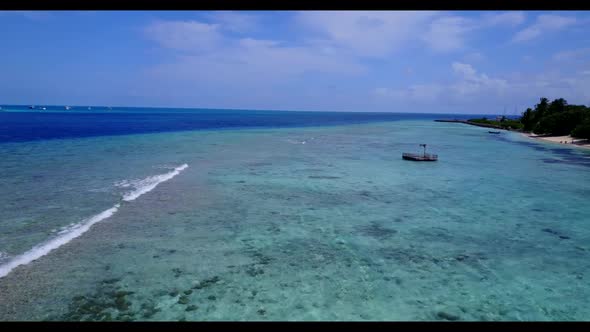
(577, 142)
(580, 143)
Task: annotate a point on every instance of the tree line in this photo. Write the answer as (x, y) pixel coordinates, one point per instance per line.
(557, 118)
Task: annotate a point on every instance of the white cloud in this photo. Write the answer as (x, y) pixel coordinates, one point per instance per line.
(508, 19)
(185, 35)
(572, 54)
(474, 57)
(250, 43)
(206, 47)
(544, 24)
(365, 33)
(265, 59)
(210, 60)
(470, 85)
(236, 21)
(447, 33)
(474, 89)
(382, 33)
(346, 33)
(464, 70)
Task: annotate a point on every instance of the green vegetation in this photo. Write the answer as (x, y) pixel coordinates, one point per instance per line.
(557, 118)
(582, 130)
(503, 122)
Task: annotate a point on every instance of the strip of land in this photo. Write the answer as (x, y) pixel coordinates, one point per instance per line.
(472, 123)
(583, 143)
(568, 139)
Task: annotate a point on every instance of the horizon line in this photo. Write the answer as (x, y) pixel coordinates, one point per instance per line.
(235, 109)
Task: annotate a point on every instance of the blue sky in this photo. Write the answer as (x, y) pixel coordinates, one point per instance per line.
(395, 61)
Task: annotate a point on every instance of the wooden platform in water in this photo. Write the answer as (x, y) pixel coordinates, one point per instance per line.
(420, 157)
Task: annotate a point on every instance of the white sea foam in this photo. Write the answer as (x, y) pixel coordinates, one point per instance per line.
(123, 184)
(72, 231)
(63, 238)
(149, 183)
(295, 141)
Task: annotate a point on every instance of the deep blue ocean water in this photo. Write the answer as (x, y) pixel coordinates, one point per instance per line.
(18, 123)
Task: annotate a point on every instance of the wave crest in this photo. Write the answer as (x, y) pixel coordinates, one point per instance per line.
(72, 231)
(149, 183)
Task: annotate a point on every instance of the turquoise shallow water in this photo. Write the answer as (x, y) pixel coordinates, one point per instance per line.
(319, 223)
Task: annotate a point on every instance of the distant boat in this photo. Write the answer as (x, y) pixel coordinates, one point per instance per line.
(67, 108)
(32, 107)
(44, 108)
(420, 157)
(493, 132)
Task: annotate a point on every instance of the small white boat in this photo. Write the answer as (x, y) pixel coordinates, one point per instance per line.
(44, 108)
(67, 108)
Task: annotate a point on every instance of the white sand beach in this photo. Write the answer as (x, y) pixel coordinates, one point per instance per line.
(583, 143)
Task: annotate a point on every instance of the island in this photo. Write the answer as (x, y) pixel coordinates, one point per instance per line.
(555, 121)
